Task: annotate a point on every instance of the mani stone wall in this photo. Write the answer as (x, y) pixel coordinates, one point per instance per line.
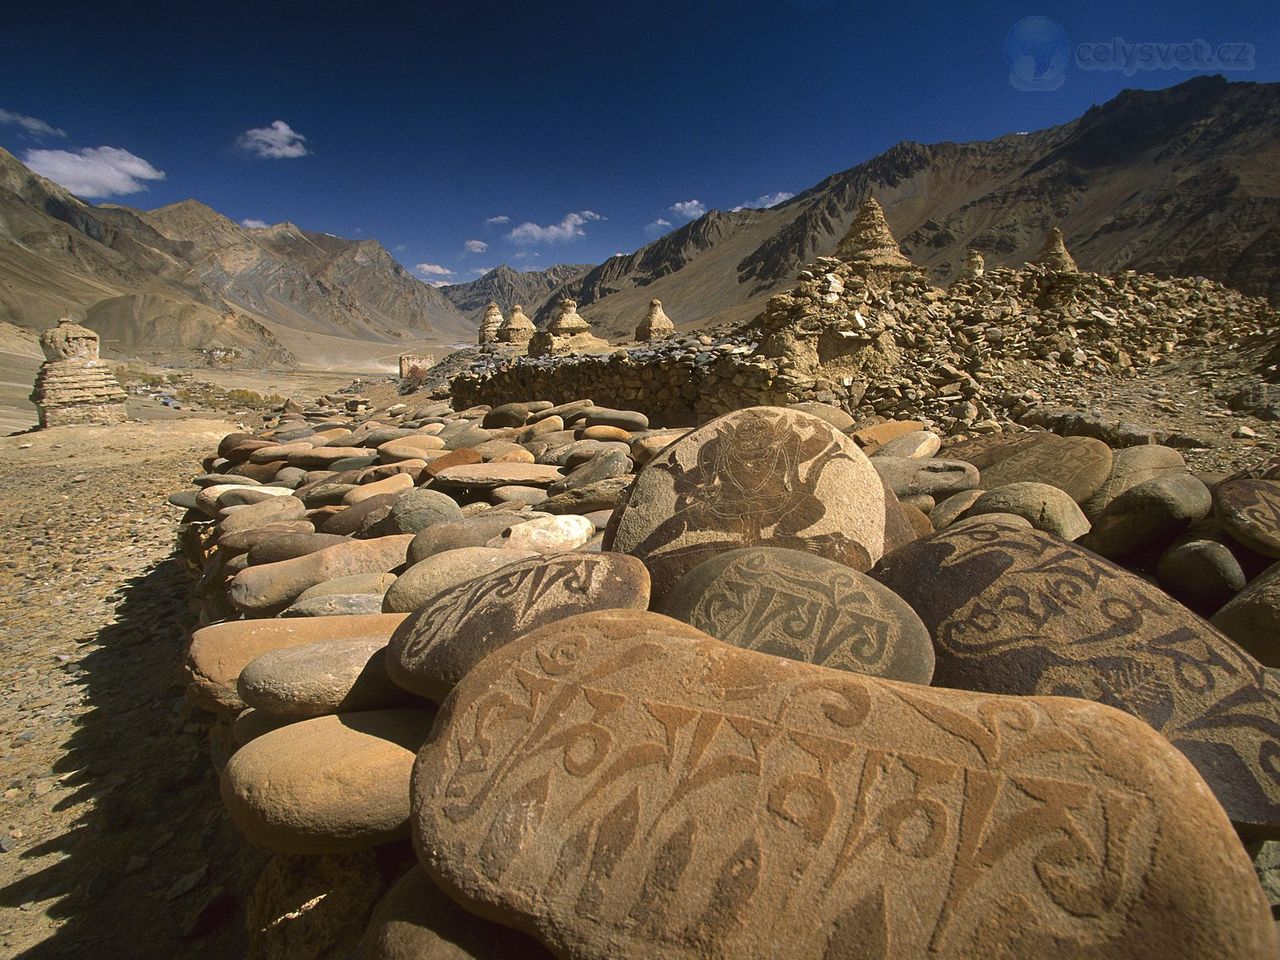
(676, 382)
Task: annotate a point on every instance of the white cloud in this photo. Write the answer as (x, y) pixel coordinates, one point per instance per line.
(401, 248)
(276, 142)
(480, 271)
(438, 283)
(765, 202)
(567, 229)
(526, 254)
(94, 171)
(31, 126)
(476, 246)
(689, 209)
(658, 226)
(253, 223)
(500, 218)
(432, 270)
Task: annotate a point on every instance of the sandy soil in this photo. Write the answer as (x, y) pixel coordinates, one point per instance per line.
(114, 843)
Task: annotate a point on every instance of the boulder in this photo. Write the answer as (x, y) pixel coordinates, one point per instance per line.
(806, 607)
(760, 476)
(218, 653)
(440, 571)
(454, 630)
(273, 586)
(1045, 507)
(622, 785)
(1018, 611)
(338, 675)
(330, 784)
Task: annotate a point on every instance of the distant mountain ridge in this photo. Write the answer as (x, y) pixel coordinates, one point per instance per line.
(507, 287)
(1179, 181)
(172, 282)
(1182, 181)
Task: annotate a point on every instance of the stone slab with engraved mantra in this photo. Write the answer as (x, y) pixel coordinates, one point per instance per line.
(453, 631)
(799, 605)
(619, 784)
(1017, 611)
(760, 476)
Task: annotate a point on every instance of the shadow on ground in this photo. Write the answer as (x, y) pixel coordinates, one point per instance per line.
(151, 867)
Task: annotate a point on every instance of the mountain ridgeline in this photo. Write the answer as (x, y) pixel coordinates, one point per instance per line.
(1182, 181)
(184, 283)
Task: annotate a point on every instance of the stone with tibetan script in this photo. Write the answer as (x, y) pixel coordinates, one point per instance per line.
(763, 476)
(1250, 512)
(619, 784)
(457, 628)
(1078, 465)
(806, 607)
(1014, 610)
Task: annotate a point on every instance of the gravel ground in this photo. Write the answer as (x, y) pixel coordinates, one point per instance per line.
(113, 838)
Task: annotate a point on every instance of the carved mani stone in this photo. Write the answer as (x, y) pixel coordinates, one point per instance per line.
(453, 631)
(1014, 610)
(806, 607)
(760, 476)
(1078, 465)
(618, 784)
(1250, 512)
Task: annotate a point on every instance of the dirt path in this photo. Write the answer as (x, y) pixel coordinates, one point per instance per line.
(114, 843)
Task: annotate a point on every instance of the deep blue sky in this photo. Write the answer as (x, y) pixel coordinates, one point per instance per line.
(423, 120)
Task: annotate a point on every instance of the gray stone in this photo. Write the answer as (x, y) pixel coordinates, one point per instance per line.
(1045, 507)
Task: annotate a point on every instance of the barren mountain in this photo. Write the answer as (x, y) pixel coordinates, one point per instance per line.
(507, 287)
(1182, 181)
(183, 282)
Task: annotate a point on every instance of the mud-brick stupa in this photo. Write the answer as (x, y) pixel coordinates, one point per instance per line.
(567, 333)
(73, 385)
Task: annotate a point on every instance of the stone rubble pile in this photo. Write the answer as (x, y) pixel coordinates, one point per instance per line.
(537, 679)
(870, 334)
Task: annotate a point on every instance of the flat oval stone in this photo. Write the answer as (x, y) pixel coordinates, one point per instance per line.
(416, 920)
(1148, 515)
(622, 785)
(763, 476)
(601, 495)
(909, 477)
(420, 509)
(326, 785)
(338, 675)
(1202, 575)
(440, 571)
(1045, 507)
(1078, 465)
(218, 653)
(474, 531)
(799, 605)
(1131, 466)
(459, 627)
(629, 420)
(286, 546)
(546, 534)
(334, 605)
(273, 586)
(245, 540)
(1252, 617)
(498, 475)
(1019, 611)
(916, 445)
(1250, 512)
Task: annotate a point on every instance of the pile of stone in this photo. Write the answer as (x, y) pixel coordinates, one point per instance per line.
(73, 385)
(867, 331)
(593, 689)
